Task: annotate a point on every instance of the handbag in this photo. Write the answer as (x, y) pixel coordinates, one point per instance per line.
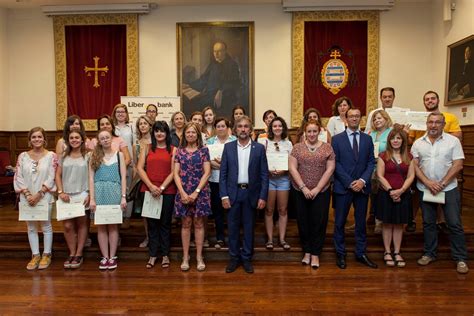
(134, 191)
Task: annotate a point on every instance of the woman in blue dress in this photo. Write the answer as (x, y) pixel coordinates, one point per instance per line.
(107, 184)
(193, 202)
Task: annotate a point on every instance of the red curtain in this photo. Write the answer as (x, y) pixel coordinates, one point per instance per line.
(83, 44)
(319, 38)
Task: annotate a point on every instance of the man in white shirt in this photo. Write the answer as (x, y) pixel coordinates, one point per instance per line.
(438, 160)
(243, 187)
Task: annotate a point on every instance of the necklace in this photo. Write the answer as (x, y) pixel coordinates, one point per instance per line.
(310, 148)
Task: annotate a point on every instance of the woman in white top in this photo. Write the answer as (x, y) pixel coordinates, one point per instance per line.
(72, 180)
(143, 127)
(338, 122)
(222, 126)
(279, 184)
(34, 182)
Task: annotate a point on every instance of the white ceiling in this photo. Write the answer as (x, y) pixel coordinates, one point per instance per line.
(19, 4)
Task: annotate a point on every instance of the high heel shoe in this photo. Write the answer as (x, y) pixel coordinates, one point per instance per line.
(185, 264)
(201, 266)
(306, 259)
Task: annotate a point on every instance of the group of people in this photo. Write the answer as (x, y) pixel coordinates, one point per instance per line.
(181, 163)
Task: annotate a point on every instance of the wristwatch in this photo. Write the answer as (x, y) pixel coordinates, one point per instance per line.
(198, 190)
(124, 195)
(162, 188)
(59, 192)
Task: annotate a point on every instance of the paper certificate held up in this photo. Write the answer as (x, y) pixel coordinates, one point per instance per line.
(108, 214)
(429, 197)
(277, 161)
(418, 120)
(152, 206)
(73, 209)
(39, 212)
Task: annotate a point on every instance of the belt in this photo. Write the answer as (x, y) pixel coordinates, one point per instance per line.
(243, 186)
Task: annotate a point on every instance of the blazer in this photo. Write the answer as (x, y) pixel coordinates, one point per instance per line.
(258, 173)
(348, 168)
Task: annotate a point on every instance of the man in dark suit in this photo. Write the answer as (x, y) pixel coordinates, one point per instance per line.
(355, 163)
(243, 186)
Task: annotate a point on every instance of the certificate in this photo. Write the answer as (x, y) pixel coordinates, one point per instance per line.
(215, 150)
(438, 198)
(75, 208)
(39, 212)
(418, 120)
(277, 161)
(108, 214)
(376, 149)
(152, 206)
(323, 136)
(398, 115)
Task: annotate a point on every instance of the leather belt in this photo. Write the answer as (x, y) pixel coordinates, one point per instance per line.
(243, 186)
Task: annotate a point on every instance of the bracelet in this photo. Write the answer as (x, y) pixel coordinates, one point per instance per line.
(389, 190)
(41, 192)
(302, 186)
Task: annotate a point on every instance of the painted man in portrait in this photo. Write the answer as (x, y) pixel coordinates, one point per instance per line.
(464, 85)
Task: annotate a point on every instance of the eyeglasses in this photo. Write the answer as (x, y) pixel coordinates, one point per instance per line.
(34, 167)
(277, 147)
(435, 122)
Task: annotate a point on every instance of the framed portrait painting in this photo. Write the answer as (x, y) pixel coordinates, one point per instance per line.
(460, 72)
(216, 66)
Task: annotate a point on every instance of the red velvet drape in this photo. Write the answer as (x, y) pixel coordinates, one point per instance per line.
(319, 37)
(83, 43)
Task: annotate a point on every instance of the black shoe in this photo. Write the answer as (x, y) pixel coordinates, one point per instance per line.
(248, 266)
(411, 227)
(232, 266)
(365, 260)
(341, 261)
(443, 228)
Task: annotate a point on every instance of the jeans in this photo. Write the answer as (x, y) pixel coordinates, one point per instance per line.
(452, 214)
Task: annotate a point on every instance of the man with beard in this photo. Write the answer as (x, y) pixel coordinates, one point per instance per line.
(438, 160)
(243, 187)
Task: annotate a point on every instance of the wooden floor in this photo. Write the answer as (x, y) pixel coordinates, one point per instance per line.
(275, 288)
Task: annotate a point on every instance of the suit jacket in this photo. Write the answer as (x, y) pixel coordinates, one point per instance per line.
(258, 173)
(348, 168)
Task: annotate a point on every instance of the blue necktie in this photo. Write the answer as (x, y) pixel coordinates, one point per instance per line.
(355, 146)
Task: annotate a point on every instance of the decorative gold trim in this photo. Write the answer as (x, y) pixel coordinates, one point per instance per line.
(59, 23)
(372, 17)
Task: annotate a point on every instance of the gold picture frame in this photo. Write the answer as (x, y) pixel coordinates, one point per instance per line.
(299, 18)
(196, 43)
(59, 23)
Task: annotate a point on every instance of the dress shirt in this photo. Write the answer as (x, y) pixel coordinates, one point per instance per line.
(351, 137)
(243, 155)
(436, 159)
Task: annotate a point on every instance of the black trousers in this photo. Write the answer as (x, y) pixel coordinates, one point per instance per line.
(312, 218)
(217, 210)
(159, 230)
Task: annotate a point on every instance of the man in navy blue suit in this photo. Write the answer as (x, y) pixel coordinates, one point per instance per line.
(243, 186)
(355, 163)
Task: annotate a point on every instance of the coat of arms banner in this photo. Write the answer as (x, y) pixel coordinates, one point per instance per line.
(335, 54)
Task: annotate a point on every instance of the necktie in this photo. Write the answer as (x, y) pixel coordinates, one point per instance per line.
(355, 146)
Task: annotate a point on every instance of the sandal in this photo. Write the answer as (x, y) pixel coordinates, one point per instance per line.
(269, 245)
(285, 245)
(165, 262)
(76, 262)
(151, 262)
(185, 264)
(388, 262)
(67, 263)
(399, 262)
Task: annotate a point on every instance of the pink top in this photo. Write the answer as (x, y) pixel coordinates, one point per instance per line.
(312, 165)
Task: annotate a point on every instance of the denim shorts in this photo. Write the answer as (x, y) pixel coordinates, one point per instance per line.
(281, 183)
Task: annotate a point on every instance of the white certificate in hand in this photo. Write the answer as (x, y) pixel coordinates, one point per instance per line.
(108, 214)
(277, 161)
(152, 206)
(39, 212)
(215, 150)
(417, 120)
(75, 208)
(439, 198)
(398, 115)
